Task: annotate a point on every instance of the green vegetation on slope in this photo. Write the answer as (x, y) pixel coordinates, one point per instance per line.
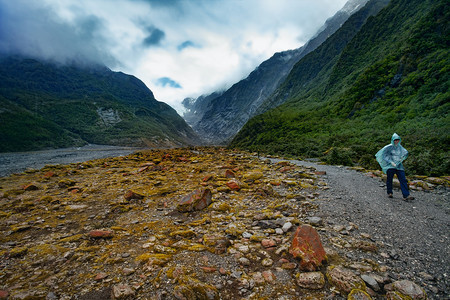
(393, 76)
(43, 105)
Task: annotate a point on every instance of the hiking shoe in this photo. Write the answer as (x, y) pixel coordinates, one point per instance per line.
(409, 198)
(390, 196)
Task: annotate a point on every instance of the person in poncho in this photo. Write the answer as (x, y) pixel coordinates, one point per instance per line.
(390, 158)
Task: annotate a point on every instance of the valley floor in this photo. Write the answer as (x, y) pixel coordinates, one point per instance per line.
(113, 228)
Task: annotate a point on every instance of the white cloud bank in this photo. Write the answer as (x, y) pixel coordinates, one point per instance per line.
(178, 48)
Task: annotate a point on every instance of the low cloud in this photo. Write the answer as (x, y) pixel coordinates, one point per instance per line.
(206, 45)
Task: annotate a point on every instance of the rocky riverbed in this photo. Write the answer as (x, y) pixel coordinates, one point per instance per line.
(17, 162)
(205, 223)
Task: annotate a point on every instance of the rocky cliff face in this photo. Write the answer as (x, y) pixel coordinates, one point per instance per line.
(219, 116)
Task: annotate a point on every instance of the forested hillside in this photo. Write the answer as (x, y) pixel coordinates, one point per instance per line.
(342, 106)
(43, 105)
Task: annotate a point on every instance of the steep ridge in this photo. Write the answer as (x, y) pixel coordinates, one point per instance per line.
(392, 76)
(219, 116)
(43, 105)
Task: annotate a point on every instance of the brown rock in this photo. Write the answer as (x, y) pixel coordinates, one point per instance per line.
(207, 178)
(30, 187)
(122, 291)
(49, 174)
(197, 200)
(365, 245)
(289, 266)
(130, 195)
(220, 243)
(267, 243)
(311, 280)
(105, 234)
(230, 174)
(344, 279)
(285, 169)
(208, 269)
(306, 246)
(100, 276)
(3, 294)
(268, 276)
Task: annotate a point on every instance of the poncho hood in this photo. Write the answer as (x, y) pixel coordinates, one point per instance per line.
(395, 137)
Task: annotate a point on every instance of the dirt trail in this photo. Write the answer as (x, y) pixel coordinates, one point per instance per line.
(415, 234)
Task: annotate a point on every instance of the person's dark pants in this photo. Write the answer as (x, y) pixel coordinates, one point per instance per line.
(401, 177)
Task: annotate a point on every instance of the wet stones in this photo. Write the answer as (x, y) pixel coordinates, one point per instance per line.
(307, 247)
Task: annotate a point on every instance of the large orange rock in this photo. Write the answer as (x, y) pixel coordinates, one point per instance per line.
(197, 200)
(234, 185)
(307, 247)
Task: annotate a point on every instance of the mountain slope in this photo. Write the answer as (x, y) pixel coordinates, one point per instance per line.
(392, 76)
(219, 116)
(43, 105)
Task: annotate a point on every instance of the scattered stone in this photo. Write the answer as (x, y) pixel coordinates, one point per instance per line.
(208, 269)
(230, 174)
(357, 294)
(365, 245)
(371, 282)
(404, 289)
(244, 261)
(315, 221)
(104, 234)
(130, 195)
(344, 279)
(234, 185)
(267, 262)
(122, 291)
(268, 276)
(311, 280)
(267, 243)
(4, 294)
(258, 278)
(287, 226)
(128, 271)
(306, 246)
(30, 187)
(100, 276)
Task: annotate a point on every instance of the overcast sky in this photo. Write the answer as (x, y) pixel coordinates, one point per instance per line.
(178, 48)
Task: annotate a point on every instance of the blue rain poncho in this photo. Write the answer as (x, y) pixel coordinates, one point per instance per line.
(391, 156)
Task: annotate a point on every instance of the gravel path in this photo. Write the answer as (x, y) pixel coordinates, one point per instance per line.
(415, 234)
